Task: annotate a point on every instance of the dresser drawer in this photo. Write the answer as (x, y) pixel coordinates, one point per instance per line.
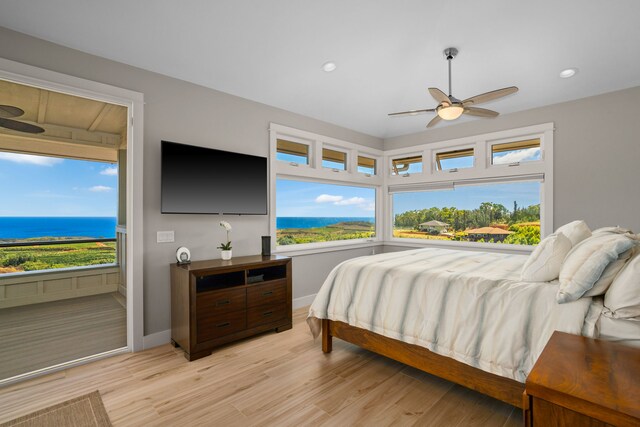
(265, 314)
(213, 326)
(218, 302)
(267, 294)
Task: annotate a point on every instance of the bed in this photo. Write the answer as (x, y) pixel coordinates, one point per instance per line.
(461, 315)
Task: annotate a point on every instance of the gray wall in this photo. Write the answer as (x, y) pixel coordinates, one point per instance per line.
(596, 155)
(179, 111)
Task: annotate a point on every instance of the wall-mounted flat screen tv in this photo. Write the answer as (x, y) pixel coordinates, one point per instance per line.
(198, 180)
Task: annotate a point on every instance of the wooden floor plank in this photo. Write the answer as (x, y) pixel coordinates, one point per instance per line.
(270, 380)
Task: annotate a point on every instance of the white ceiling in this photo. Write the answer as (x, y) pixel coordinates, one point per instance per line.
(388, 52)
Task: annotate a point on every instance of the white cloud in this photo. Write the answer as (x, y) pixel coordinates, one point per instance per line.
(517, 156)
(369, 207)
(351, 201)
(100, 189)
(328, 198)
(111, 171)
(29, 159)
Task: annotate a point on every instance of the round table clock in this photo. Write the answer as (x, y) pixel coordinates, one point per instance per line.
(183, 255)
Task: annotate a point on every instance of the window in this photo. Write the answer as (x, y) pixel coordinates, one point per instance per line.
(454, 159)
(493, 213)
(313, 212)
(334, 159)
(516, 152)
(60, 213)
(294, 152)
(406, 165)
(366, 165)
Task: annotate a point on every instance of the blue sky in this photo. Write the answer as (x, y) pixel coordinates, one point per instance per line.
(470, 197)
(311, 199)
(49, 186)
(308, 199)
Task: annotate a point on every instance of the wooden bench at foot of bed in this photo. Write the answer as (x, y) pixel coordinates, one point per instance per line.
(504, 389)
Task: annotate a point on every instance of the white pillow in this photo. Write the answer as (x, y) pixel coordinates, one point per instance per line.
(612, 230)
(609, 274)
(623, 297)
(576, 231)
(586, 262)
(545, 262)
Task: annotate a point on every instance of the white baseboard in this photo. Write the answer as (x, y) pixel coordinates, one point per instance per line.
(157, 339)
(303, 301)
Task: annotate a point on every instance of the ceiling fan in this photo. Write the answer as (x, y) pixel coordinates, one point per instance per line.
(9, 112)
(450, 107)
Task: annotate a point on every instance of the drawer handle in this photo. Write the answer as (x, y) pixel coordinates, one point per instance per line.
(223, 325)
(267, 313)
(264, 294)
(223, 302)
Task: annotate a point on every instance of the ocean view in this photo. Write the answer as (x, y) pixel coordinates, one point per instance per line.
(32, 227)
(315, 222)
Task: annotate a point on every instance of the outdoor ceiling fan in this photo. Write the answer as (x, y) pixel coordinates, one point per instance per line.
(450, 107)
(9, 112)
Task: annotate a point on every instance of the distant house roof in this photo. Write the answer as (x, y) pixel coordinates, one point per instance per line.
(488, 230)
(434, 223)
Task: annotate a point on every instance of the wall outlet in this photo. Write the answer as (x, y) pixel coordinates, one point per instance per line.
(165, 237)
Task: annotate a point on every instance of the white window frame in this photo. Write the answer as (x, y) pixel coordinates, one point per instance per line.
(317, 173)
(483, 170)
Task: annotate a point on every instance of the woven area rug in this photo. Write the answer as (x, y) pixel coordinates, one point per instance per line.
(87, 410)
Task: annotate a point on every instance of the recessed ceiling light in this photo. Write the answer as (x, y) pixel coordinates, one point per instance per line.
(569, 72)
(329, 66)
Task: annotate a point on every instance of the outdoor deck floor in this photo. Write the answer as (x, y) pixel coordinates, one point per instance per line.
(41, 335)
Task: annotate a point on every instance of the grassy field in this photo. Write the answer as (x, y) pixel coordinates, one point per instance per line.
(30, 258)
(340, 231)
(413, 234)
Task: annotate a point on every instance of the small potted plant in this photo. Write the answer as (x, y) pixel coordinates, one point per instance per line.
(225, 248)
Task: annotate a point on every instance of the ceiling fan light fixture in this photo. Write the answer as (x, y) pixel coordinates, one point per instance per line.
(451, 112)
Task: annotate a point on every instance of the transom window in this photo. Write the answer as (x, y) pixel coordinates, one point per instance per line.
(366, 165)
(454, 159)
(334, 159)
(290, 151)
(516, 152)
(406, 165)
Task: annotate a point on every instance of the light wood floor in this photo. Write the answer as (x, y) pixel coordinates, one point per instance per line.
(274, 379)
(36, 336)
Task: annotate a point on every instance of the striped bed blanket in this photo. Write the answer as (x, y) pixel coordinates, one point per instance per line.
(469, 306)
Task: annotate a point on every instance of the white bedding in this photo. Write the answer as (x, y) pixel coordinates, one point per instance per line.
(470, 306)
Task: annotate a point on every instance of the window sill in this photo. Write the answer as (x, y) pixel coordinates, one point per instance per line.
(313, 248)
(473, 246)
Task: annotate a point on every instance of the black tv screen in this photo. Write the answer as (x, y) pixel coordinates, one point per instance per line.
(197, 180)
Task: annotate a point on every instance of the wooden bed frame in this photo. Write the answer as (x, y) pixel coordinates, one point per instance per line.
(504, 389)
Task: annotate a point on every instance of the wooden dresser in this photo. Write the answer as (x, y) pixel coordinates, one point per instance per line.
(215, 302)
(580, 381)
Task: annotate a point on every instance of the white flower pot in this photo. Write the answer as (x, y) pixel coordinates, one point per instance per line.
(226, 255)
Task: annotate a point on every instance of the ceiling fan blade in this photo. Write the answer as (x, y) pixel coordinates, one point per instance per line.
(412, 112)
(434, 121)
(9, 111)
(20, 126)
(490, 96)
(439, 96)
(480, 112)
